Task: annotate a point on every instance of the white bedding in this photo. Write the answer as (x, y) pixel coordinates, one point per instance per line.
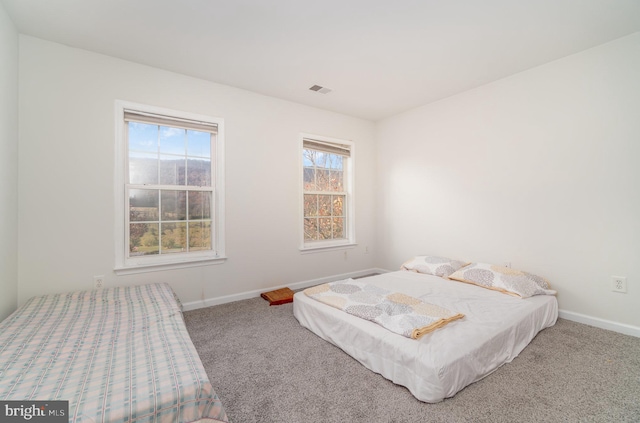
(495, 329)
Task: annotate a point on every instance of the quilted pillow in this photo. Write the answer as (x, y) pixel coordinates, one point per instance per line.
(431, 265)
(504, 279)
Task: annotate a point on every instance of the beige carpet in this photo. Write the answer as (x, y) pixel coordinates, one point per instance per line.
(267, 368)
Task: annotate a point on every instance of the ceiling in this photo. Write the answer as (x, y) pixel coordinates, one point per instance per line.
(378, 57)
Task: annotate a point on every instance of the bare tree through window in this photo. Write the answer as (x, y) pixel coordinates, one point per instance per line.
(324, 195)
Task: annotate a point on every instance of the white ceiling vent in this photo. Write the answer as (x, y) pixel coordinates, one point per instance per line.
(319, 89)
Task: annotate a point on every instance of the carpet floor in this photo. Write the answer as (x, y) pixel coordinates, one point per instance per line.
(267, 368)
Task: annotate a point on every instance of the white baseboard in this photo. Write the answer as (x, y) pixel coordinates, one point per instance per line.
(193, 305)
(600, 323)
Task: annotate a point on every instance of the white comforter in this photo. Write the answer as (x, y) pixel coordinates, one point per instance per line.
(495, 329)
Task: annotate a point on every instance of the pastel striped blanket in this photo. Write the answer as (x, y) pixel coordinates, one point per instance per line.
(118, 355)
(397, 312)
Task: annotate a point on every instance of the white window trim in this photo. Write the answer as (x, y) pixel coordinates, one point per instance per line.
(126, 265)
(331, 245)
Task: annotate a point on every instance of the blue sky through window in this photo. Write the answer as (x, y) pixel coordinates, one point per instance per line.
(172, 141)
(144, 137)
(322, 160)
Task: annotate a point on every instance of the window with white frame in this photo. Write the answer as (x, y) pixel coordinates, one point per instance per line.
(171, 170)
(327, 191)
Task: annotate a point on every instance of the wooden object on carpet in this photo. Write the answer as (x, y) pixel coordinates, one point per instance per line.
(279, 296)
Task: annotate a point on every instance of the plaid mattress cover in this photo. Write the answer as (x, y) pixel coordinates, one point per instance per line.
(117, 355)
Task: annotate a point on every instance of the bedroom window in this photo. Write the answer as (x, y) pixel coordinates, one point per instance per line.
(170, 174)
(327, 192)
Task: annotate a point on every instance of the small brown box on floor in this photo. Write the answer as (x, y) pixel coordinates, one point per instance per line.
(279, 296)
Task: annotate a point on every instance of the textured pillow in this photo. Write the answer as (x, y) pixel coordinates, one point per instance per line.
(431, 265)
(504, 279)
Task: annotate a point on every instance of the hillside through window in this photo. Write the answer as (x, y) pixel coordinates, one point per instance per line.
(170, 168)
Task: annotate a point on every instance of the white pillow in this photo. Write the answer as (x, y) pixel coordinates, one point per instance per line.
(432, 265)
(504, 279)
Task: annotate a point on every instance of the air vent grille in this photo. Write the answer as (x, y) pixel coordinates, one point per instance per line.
(320, 89)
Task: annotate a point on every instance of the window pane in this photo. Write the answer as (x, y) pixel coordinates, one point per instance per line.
(143, 137)
(172, 170)
(172, 140)
(322, 159)
(143, 168)
(338, 227)
(136, 231)
(323, 180)
(310, 229)
(199, 172)
(336, 181)
(308, 158)
(174, 205)
(199, 205)
(324, 228)
(309, 179)
(143, 239)
(174, 237)
(335, 161)
(143, 205)
(338, 205)
(199, 143)
(310, 205)
(199, 236)
(324, 205)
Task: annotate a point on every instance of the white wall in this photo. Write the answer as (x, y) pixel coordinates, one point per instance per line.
(67, 170)
(8, 165)
(541, 169)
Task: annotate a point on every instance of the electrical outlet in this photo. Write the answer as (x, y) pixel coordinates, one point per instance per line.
(98, 282)
(619, 283)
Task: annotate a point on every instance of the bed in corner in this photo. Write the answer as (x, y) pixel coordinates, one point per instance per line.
(117, 355)
(493, 330)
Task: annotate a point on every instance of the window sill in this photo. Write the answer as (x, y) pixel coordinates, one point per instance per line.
(322, 248)
(156, 267)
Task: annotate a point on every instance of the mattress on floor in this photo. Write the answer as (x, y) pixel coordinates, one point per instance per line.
(495, 329)
(117, 355)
